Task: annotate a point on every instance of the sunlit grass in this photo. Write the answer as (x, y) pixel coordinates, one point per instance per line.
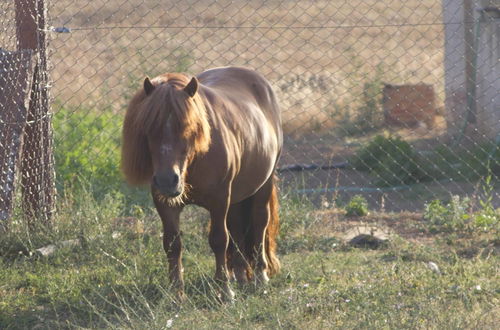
(116, 277)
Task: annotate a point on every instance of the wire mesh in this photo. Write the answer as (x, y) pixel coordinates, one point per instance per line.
(14, 68)
(26, 161)
(388, 99)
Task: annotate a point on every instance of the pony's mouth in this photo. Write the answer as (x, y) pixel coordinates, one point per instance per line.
(168, 190)
(170, 193)
(176, 197)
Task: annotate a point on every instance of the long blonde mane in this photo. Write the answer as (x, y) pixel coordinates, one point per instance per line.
(146, 117)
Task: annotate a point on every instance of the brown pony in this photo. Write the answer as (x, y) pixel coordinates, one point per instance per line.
(214, 141)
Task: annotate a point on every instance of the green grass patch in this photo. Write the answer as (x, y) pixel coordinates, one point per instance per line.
(87, 155)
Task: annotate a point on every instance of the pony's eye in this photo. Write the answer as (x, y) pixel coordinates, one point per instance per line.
(165, 149)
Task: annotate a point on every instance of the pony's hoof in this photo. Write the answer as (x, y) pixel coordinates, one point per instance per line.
(230, 297)
(261, 278)
(227, 295)
(180, 297)
(241, 277)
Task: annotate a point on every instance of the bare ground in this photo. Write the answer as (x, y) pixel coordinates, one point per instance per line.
(409, 226)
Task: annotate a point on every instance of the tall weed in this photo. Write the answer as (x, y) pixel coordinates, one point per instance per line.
(460, 214)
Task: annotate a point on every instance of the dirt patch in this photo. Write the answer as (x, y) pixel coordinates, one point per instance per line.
(408, 225)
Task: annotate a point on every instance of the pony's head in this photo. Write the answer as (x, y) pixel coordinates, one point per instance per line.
(165, 127)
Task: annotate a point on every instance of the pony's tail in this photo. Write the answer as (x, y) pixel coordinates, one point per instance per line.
(272, 232)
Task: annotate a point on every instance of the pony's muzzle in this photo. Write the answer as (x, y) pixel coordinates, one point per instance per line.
(168, 184)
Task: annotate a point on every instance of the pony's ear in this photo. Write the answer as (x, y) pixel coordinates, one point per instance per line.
(148, 86)
(192, 87)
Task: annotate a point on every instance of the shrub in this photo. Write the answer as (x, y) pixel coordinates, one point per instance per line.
(87, 156)
(87, 148)
(357, 206)
(464, 162)
(87, 142)
(391, 160)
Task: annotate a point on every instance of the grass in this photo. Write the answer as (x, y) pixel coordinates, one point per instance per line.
(121, 282)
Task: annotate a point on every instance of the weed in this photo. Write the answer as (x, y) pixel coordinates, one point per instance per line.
(87, 142)
(458, 214)
(368, 116)
(447, 217)
(487, 217)
(87, 146)
(357, 206)
(87, 155)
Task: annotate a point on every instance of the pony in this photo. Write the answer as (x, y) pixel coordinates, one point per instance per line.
(214, 141)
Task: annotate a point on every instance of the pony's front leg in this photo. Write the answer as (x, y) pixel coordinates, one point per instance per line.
(219, 240)
(172, 244)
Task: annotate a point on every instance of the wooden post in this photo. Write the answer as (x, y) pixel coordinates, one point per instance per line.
(37, 172)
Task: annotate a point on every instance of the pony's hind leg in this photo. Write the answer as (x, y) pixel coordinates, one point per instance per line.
(238, 224)
(172, 244)
(260, 219)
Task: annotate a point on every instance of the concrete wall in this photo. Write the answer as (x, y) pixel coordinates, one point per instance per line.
(488, 70)
(472, 67)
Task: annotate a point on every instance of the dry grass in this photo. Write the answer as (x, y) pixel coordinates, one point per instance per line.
(318, 54)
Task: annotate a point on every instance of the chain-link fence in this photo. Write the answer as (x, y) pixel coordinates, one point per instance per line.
(26, 159)
(394, 100)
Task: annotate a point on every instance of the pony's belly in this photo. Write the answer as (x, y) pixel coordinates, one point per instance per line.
(256, 164)
(250, 179)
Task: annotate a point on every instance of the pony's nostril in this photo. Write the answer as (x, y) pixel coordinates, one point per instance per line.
(155, 181)
(175, 179)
